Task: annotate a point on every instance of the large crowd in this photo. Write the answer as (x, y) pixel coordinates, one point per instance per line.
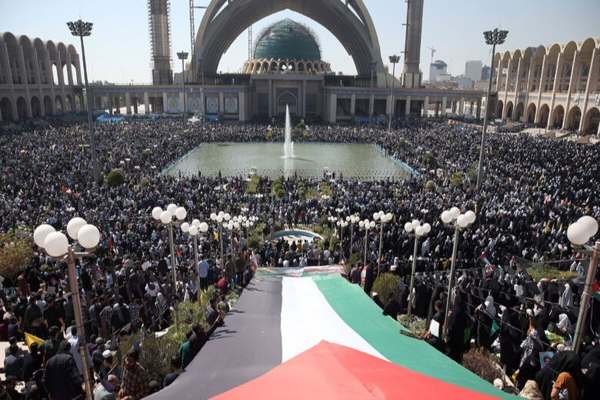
(533, 189)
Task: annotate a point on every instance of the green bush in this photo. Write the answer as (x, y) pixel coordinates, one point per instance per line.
(269, 134)
(430, 186)
(456, 179)
(16, 250)
(116, 177)
(252, 186)
(156, 353)
(277, 188)
(545, 271)
(387, 287)
(429, 160)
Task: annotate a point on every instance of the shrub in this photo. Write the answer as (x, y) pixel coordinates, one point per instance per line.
(456, 179)
(428, 160)
(430, 186)
(269, 134)
(252, 186)
(414, 324)
(545, 271)
(277, 189)
(482, 365)
(387, 287)
(116, 177)
(16, 250)
(156, 353)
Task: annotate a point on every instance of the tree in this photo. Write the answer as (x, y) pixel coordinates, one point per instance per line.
(456, 179)
(387, 287)
(16, 250)
(116, 177)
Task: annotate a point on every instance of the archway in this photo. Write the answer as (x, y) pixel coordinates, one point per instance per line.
(573, 119)
(591, 121)
(70, 104)
(225, 20)
(499, 109)
(287, 98)
(55, 77)
(519, 111)
(531, 113)
(544, 115)
(557, 117)
(509, 110)
(21, 108)
(48, 106)
(6, 109)
(59, 105)
(36, 107)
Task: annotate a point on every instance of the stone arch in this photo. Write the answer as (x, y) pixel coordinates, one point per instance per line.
(21, 108)
(551, 61)
(499, 108)
(36, 107)
(6, 109)
(530, 118)
(287, 98)
(74, 65)
(564, 77)
(70, 103)
(509, 110)
(519, 111)
(544, 115)
(48, 105)
(536, 63)
(573, 119)
(42, 54)
(54, 62)
(348, 21)
(513, 69)
(586, 51)
(58, 104)
(591, 121)
(13, 58)
(28, 56)
(557, 117)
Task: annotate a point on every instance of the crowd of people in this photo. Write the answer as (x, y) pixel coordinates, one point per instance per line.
(533, 189)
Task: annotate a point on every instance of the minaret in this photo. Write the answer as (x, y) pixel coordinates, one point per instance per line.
(160, 41)
(412, 76)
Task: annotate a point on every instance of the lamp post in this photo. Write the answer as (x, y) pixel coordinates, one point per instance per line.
(458, 222)
(366, 225)
(383, 219)
(419, 231)
(352, 219)
(342, 223)
(492, 38)
(56, 245)
(394, 60)
(219, 219)
(81, 29)
(579, 234)
(193, 229)
(169, 218)
(182, 55)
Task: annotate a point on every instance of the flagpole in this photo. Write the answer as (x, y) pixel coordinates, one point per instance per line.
(585, 297)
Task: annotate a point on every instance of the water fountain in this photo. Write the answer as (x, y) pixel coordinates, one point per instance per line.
(288, 145)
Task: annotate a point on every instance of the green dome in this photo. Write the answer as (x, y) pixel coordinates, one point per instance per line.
(289, 40)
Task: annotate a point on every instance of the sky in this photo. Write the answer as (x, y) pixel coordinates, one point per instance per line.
(119, 50)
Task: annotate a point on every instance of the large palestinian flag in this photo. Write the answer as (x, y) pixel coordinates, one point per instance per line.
(319, 337)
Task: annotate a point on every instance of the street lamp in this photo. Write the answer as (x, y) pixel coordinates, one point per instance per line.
(218, 219)
(366, 225)
(342, 223)
(56, 245)
(169, 218)
(352, 219)
(383, 219)
(418, 230)
(492, 38)
(182, 55)
(579, 234)
(453, 218)
(193, 229)
(394, 60)
(81, 29)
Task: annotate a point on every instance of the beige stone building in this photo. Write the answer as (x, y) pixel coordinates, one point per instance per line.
(554, 87)
(37, 78)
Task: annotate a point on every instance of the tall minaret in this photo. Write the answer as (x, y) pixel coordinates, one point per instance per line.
(412, 76)
(160, 41)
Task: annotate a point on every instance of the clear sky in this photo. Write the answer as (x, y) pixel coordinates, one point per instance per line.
(119, 49)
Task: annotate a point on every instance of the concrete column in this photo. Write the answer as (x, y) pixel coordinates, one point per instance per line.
(6, 64)
(559, 67)
(242, 106)
(333, 108)
(222, 102)
(461, 106)
(591, 85)
(202, 104)
(146, 103)
(498, 74)
(572, 79)
(478, 114)
(304, 99)
(270, 98)
(453, 106)
(538, 115)
(517, 83)
(353, 105)
(437, 109)
(425, 106)
(407, 106)
(181, 95)
(528, 85)
(371, 105)
(444, 101)
(128, 103)
(390, 106)
(165, 101)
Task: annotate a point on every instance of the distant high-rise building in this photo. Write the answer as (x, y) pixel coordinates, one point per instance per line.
(473, 70)
(485, 73)
(160, 41)
(437, 69)
(411, 76)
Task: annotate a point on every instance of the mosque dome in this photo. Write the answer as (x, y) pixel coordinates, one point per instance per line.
(287, 40)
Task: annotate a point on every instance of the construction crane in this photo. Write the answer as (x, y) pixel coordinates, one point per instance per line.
(433, 51)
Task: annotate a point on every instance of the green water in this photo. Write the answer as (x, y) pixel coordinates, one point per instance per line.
(361, 161)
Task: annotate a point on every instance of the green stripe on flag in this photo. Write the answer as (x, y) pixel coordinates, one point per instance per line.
(365, 317)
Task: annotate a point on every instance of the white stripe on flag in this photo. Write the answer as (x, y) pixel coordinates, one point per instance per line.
(307, 318)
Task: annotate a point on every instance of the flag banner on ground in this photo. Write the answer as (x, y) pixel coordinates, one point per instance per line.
(316, 319)
(31, 339)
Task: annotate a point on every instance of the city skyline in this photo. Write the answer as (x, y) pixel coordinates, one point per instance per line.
(122, 33)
